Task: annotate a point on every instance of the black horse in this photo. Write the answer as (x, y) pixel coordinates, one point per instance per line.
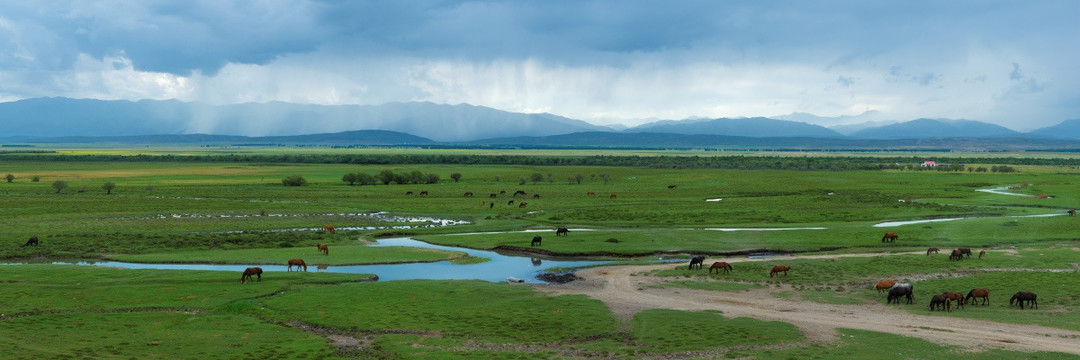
(535, 241)
(562, 232)
(1023, 296)
(33, 241)
(697, 260)
(939, 302)
(896, 292)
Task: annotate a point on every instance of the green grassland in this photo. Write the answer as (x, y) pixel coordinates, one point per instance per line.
(239, 213)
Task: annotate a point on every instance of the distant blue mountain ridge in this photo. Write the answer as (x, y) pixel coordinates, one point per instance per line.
(428, 122)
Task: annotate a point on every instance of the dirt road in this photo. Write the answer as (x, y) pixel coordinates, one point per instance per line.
(626, 291)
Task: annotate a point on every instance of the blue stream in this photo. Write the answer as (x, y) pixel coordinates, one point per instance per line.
(498, 269)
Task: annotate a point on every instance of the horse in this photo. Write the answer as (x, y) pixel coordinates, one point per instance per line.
(779, 268)
(522, 204)
(562, 232)
(884, 285)
(889, 237)
(976, 294)
(407, 193)
(697, 260)
(612, 196)
(519, 192)
(932, 250)
(329, 229)
(1023, 296)
(956, 255)
(590, 193)
(323, 249)
(720, 265)
(493, 195)
(536, 196)
(940, 301)
(1071, 212)
(965, 251)
(33, 241)
(423, 193)
(982, 253)
(535, 241)
(671, 186)
(491, 205)
(468, 194)
(897, 291)
(511, 202)
(246, 276)
(298, 263)
(959, 299)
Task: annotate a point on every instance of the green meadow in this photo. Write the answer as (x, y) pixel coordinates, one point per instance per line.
(238, 212)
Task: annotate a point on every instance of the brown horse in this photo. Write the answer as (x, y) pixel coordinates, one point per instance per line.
(965, 251)
(562, 232)
(323, 249)
(959, 299)
(671, 186)
(1071, 212)
(889, 237)
(932, 250)
(940, 301)
(329, 229)
(778, 269)
(976, 294)
(612, 196)
(1023, 296)
(720, 265)
(522, 204)
(33, 241)
(298, 263)
(884, 285)
(956, 255)
(590, 193)
(982, 253)
(257, 271)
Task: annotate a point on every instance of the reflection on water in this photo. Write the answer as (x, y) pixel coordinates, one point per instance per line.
(500, 267)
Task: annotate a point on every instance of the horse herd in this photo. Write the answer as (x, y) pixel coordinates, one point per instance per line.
(699, 260)
(298, 263)
(537, 240)
(956, 254)
(945, 300)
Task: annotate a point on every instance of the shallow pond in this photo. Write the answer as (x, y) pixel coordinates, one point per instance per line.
(501, 266)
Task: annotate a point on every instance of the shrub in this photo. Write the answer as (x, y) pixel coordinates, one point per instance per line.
(294, 180)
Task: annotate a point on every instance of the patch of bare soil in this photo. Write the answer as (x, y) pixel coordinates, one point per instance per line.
(626, 292)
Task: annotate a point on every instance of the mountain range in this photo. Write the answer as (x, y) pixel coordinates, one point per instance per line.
(80, 120)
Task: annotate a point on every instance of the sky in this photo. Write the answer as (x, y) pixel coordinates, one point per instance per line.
(1011, 63)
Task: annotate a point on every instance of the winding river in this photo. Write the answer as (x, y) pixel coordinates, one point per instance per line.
(500, 268)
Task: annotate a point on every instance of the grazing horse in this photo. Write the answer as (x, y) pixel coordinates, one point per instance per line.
(889, 237)
(329, 229)
(590, 194)
(511, 202)
(522, 204)
(932, 250)
(671, 186)
(939, 301)
(884, 285)
(612, 196)
(257, 271)
(33, 241)
(535, 241)
(965, 251)
(956, 255)
(562, 232)
(468, 194)
(1071, 212)
(493, 195)
(778, 269)
(982, 253)
(959, 299)
(697, 260)
(298, 263)
(1023, 296)
(423, 193)
(519, 192)
(407, 193)
(720, 265)
(323, 249)
(897, 291)
(976, 294)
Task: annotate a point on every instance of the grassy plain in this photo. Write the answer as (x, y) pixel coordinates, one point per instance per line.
(210, 212)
